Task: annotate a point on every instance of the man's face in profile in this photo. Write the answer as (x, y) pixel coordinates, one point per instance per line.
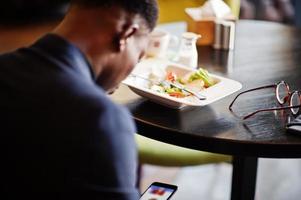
(121, 65)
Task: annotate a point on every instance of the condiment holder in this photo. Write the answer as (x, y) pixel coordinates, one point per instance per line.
(201, 20)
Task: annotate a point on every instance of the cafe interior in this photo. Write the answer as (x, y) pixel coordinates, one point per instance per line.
(228, 140)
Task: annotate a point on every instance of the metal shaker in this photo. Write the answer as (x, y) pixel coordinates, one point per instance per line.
(224, 35)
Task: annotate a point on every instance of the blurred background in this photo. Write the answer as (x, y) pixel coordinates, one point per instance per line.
(29, 11)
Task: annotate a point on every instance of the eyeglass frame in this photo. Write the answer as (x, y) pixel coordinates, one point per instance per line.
(287, 99)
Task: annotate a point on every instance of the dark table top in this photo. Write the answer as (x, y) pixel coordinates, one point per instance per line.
(265, 53)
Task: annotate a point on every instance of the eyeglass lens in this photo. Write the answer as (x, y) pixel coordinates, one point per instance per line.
(282, 92)
(295, 101)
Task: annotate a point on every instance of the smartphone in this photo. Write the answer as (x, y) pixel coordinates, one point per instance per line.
(159, 191)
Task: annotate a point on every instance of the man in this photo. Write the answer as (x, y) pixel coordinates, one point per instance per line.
(61, 136)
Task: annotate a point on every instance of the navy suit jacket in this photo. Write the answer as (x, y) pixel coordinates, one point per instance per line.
(61, 136)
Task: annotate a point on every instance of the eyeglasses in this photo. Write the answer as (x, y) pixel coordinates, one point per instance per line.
(283, 95)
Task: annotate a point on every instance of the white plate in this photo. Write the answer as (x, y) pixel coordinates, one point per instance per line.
(222, 88)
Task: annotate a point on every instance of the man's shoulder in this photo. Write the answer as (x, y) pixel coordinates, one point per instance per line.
(87, 95)
(95, 102)
(8, 58)
(101, 103)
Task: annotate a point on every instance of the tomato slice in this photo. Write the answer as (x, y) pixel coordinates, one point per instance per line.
(177, 94)
(170, 76)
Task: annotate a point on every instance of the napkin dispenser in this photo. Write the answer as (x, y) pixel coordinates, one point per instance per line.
(201, 20)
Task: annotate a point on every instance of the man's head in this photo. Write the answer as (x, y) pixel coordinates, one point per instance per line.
(112, 33)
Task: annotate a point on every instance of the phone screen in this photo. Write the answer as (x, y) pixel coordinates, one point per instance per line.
(158, 191)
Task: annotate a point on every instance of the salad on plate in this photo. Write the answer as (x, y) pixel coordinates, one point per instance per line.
(175, 85)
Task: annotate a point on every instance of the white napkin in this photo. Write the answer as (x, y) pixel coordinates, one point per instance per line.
(215, 8)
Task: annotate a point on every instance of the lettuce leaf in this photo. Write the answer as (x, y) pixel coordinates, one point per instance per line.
(203, 75)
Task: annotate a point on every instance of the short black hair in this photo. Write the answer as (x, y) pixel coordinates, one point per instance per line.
(147, 9)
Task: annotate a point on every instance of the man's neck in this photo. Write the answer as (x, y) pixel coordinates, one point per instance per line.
(83, 43)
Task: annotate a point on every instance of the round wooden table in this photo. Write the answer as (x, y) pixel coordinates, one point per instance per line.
(265, 53)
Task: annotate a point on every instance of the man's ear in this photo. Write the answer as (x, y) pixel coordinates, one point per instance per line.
(127, 32)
